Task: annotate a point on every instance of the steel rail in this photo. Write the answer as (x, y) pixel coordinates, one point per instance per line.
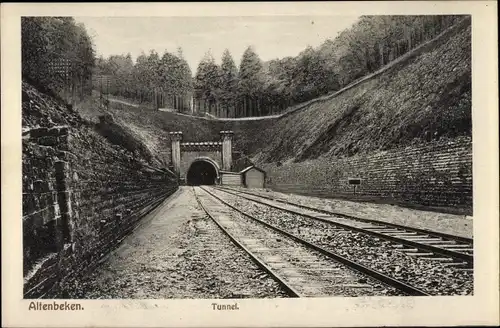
(401, 286)
(374, 221)
(469, 259)
(289, 289)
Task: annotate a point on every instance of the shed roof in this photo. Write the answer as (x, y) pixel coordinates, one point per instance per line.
(252, 167)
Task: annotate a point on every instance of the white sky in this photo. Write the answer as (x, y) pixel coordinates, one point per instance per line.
(271, 36)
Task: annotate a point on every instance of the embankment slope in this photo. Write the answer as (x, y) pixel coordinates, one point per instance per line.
(406, 133)
(425, 97)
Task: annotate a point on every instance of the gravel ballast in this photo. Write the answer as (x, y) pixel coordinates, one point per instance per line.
(430, 276)
(459, 225)
(308, 271)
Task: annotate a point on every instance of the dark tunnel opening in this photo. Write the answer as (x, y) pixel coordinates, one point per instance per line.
(201, 173)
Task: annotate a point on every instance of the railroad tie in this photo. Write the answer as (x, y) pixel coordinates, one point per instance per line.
(457, 246)
(419, 254)
(442, 243)
(320, 269)
(395, 234)
(455, 264)
(384, 230)
(461, 249)
(398, 246)
(422, 240)
(410, 250)
(303, 276)
(441, 259)
(357, 286)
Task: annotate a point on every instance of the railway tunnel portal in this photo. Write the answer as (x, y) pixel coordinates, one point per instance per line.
(200, 163)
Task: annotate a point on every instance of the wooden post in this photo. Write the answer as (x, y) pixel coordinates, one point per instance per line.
(107, 92)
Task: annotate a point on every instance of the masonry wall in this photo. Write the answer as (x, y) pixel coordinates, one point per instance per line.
(81, 196)
(41, 211)
(436, 174)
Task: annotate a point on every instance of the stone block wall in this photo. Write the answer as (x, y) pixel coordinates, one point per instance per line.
(437, 174)
(81, 197)
(40, 207)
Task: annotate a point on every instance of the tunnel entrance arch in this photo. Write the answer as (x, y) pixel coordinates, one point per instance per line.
(184, 154)
(202, 171)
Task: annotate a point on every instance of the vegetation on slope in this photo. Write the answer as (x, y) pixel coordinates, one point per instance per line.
(258, 88)
(143, 80)
(424, 98)
(152, 127)
(57, 55)
(44, 110)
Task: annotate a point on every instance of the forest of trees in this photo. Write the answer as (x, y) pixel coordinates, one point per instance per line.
(261, 88)
(166, 81)
(57, 55)
(255, 88)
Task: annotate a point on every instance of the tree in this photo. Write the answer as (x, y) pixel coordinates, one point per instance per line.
(229, 84)
(162, 81)
(139, 76)
(169, 73)
(57, 54)
(153, 71)
(207, 83)
(279, 87)
(257, 88)
(251, 81)
(185, 79)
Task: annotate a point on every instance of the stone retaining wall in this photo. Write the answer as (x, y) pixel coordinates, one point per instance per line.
(81, 197)
(436, 174)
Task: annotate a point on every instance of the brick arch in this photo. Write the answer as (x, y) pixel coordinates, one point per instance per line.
(209, 160)
(213, 156)
(198, 172)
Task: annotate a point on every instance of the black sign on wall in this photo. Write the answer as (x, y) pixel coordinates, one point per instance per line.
(354, 182)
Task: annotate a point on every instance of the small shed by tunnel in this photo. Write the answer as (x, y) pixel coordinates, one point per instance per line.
(253, 177)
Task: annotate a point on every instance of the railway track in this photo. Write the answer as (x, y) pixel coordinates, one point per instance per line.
(302, 269)
(452, 251)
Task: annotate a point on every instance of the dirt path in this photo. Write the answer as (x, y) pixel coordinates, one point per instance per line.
(177, 252)
(122, 102)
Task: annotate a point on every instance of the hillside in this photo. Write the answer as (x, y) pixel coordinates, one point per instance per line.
(425, 97)
(152, 127)
(43, 109)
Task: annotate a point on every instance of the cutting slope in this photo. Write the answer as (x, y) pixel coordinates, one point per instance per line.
(425, 97)
(405, 132)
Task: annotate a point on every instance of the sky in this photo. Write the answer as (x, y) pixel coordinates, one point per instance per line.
(271, 36)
